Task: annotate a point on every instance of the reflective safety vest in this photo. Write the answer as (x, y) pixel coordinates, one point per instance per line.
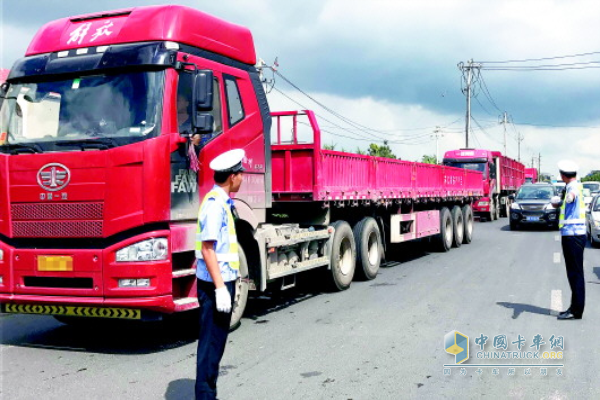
(579, 210)
(230, 255)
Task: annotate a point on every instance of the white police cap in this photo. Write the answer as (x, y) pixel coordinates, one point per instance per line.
(568, 166)
(230, 161)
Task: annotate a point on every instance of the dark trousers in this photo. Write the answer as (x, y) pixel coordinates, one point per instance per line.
(214, 328)
(572, 247)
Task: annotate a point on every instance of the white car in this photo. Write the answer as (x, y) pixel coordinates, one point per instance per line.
(592, 221)
(590, 189)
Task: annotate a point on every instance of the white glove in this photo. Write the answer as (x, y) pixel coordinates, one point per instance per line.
(223, 299)
(555, 200)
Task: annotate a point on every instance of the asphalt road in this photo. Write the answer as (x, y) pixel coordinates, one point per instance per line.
(381, 339)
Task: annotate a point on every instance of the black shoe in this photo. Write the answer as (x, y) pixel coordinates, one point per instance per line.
(568, 315)
(565, 312)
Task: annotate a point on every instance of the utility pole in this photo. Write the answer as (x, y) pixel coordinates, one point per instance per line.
(468, 68)
(504, 122)
(520, 138)
(437, 134)
(540, 164)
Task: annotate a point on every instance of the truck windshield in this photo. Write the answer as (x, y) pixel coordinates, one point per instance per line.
(51, 115)
(535, 193)
(475, 166)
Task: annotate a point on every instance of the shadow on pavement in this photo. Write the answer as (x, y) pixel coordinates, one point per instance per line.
(529, 228)
(519, 308)
(180, 389)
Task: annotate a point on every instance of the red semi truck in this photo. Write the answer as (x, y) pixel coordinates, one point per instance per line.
(502, 176)
(531, 175)
(98, 204)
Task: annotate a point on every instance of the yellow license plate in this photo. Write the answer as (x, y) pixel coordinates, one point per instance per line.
(55, 263)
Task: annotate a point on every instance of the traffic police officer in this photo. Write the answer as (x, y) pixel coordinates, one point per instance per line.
(217, 269)
(572, 229)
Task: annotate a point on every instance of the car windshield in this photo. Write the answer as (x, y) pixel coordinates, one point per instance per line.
(535, 193)
(594, 187)
(124, 107)
(475, 166)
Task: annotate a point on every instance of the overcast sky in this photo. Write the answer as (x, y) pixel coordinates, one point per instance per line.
(391, 65)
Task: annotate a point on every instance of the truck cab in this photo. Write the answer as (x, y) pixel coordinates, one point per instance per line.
(98, 202)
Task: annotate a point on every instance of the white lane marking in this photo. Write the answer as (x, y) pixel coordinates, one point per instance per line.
(557, 238)
(556, 305)
(556, 258)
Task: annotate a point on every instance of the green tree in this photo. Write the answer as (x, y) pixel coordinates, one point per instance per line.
(329, 146)
(360, 151)
(591, 177)
(429, 159)
(381, 151)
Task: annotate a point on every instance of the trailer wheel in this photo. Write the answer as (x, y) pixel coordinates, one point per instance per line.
(241, 292)
(497, 216)
(505, 211)
(369, 249)
(458, 228)
(467, 212)
(343, 256)
(443, 241)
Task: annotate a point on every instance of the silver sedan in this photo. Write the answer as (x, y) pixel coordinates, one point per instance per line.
(592, 221)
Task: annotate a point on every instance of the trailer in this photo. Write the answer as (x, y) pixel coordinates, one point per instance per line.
(502, 176)
(98, 203)
(531, 175)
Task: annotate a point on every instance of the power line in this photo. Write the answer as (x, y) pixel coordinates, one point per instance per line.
(540, 59)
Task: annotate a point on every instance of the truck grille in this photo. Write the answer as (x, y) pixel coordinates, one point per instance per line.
(57, 220)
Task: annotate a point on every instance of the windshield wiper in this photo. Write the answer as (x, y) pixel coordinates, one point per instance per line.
(16, 148)
(96, 143)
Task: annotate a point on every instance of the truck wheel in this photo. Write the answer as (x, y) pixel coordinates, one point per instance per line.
(467, 212)
(504, 210)
(497, 209)
(368, 248)
(443, 241)
(458, 228)
(343, 256)
(241, 292)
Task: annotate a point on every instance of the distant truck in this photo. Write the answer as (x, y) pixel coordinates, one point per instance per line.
(531, 175)
(98, 204)
(502, 176)
(3, 75)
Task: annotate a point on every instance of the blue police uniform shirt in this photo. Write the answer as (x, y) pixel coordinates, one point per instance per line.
(213, 220)
(572, 211)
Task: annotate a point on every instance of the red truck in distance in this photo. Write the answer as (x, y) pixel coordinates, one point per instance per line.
(502, 176)
(531, 175)
(98, 204)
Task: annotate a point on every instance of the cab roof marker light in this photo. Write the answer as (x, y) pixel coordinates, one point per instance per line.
(171, 46)
(62, 54)
(82, 51)
(101, 49)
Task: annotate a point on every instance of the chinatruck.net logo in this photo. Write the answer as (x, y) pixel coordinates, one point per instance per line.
(504, 354)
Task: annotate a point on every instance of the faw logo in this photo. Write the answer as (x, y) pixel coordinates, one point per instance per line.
(53, 177)
(185, 182)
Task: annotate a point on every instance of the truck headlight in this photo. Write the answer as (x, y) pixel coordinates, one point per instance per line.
(515, 206)
(146, 250)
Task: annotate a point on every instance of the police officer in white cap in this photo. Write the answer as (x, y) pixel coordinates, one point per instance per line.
(217, 269)
(571, 221)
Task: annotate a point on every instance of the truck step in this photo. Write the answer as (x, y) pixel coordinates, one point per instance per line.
(184, 272)
(185, 303)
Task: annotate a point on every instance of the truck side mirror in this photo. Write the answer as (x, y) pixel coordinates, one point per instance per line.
(202, 100)
(202, 96)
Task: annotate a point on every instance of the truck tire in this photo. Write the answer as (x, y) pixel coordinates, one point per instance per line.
(458, 226)
(343, 256)
(442, 242)
(369, 248)
(468, 219)
(498, 208)
(504, 209)
(240, 298)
